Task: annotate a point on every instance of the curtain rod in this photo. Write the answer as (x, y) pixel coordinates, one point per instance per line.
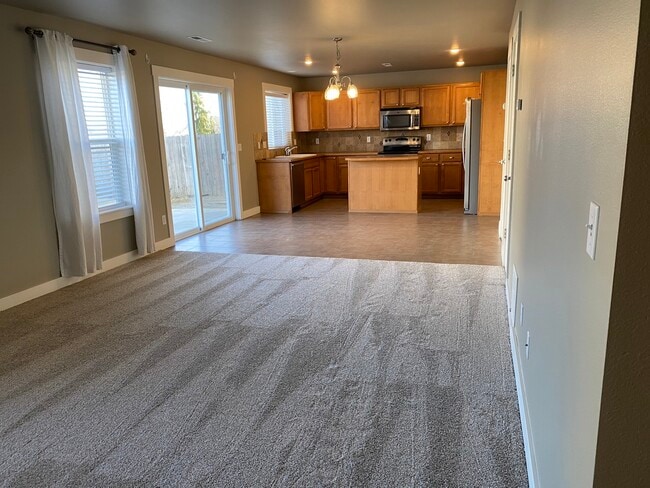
(39, 33)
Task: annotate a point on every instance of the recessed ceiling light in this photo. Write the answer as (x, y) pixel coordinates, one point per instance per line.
(460, 62)
(309, 61)
(199, 39)
(386, 65)
(291, 71)
(454, 50)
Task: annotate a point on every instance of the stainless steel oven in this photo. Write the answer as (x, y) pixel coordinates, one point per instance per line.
(399, 118)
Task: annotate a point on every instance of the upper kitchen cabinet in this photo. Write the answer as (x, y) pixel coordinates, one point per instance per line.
(339, 113)
(400, 97)
(435, 105)
(366, 109)
(459, 93)
(309, 111)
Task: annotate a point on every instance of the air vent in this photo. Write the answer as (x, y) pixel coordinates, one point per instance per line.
(199, 39)
(386, 65)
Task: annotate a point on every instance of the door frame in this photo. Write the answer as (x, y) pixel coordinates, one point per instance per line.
(234, 170)
(508, 146)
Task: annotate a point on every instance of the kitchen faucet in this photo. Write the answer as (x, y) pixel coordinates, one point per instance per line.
(289, 149)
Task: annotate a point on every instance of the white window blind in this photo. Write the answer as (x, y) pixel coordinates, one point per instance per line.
(101, 103)
(278, 118)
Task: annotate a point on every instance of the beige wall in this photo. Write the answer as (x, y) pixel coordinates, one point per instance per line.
(577, 65)
(29, 248)
(623, 454)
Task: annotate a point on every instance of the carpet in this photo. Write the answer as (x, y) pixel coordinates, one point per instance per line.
(193, 369)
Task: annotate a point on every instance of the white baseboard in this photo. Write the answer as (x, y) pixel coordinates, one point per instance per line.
(529, 446)
(250, 212)
(58, 283)
(164, 244)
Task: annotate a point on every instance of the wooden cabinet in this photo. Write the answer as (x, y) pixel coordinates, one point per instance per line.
(279, 183)
(336, 175)
(430, 174)
(312, 173)
(435, 105)
(331, 174)
(441, 174)
(339, 113)
(366, 109)
(451, 178)
(441, 105)
(309, 111)
(459, 93)
(342, 175)
(400, 97)
(493, 95)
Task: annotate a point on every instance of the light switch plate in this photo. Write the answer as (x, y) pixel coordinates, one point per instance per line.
(317, 140)
(592, 229)
(368, 139)
(428, 137)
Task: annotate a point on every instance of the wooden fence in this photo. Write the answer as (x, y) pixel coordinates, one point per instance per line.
(179, 166)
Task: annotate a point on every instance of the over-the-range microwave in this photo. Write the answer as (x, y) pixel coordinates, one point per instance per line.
(399, 118)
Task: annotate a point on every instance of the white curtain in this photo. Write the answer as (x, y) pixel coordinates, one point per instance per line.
(135, 160)
(73, 183)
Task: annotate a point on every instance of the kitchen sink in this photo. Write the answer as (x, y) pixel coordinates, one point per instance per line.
(293, 157)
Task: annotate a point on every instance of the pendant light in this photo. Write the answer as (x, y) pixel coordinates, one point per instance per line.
(338, 83)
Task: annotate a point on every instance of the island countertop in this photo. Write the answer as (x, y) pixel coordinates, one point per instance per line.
(382, 157)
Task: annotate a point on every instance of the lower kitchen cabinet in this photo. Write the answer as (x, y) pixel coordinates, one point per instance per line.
(336, 175)
(442, 174)
(430, 174)
(284, 186)
(312, 179)
(342, 175)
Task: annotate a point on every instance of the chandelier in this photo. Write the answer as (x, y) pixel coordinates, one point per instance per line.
(338, 83)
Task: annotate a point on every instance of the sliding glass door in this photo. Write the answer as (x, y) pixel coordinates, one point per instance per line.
(195, 130)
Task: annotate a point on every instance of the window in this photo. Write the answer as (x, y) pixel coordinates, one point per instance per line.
(277, 110)
(103, 114)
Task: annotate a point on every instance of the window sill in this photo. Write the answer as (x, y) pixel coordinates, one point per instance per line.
(111, 215)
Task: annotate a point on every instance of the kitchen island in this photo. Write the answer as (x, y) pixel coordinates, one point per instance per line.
(383, 184)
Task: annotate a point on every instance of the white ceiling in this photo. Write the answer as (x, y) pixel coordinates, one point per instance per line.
(278, 34)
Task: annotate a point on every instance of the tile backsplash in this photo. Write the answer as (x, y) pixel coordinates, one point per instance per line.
(355, 141)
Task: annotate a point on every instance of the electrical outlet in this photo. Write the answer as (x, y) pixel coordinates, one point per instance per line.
(368, 139)
(239, 147)
(428, 137)
(295, 143)
(264, 144)
(164, 219)
(527, 345)
(317, 140)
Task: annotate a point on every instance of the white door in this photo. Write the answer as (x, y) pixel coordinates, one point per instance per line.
(508, 146)
(197, 133)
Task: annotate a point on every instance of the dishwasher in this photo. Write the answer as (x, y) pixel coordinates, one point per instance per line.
(297, 184)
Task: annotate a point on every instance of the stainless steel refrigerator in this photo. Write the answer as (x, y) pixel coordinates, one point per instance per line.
(471, 145)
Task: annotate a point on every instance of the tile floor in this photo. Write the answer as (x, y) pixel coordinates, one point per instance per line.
(441, 233)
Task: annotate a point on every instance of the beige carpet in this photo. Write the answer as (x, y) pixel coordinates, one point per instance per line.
(191, 369)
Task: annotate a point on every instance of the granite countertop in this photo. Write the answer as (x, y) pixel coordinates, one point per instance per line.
(359, 155)
(383, 157)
